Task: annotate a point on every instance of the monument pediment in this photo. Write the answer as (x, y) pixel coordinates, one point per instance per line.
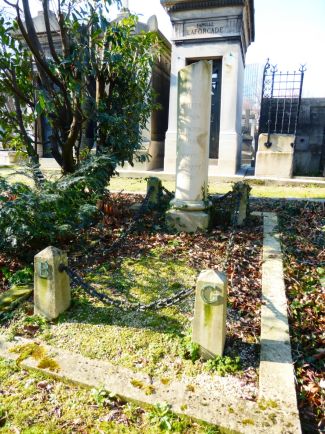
(207, 22)
(195, 4)
(208, 28)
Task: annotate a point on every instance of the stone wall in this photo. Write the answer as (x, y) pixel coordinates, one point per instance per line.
(309, 156)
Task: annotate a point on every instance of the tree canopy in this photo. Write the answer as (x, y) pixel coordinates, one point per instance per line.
(89, 78)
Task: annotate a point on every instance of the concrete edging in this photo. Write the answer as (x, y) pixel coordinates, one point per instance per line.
(276, 373)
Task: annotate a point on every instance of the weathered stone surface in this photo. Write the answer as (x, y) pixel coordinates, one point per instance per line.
(209, 323)
(243, 189)
(194, 111)
(233, 415)
(277, 160)
(187, 221)
(276, 372)
(51, 287)
(155, 186)
(206, 30)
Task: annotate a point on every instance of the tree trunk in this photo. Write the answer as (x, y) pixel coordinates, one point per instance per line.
(68, 163)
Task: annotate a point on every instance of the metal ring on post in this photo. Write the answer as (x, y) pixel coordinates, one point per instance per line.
(208, 297)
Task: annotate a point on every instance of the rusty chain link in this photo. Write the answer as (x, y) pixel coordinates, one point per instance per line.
(160, 303)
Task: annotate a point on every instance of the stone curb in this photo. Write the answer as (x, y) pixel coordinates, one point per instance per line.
(236, 416)
(276, 373)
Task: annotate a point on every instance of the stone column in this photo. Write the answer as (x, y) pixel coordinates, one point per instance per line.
(177, 62)
(51, 287)
(209, 323)
(230, 113)
(189, 207)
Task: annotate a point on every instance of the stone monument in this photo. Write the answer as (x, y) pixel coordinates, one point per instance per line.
(221, 31)
(189, 208)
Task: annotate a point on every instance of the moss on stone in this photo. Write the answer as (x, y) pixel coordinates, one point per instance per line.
(25, 351)
(248, 422)
(207, 314)
(147, 388)
(264, 404)
(47, 405)
(49, 363)
(14, 295)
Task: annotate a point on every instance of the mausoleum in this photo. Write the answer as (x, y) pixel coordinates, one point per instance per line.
(220, 31)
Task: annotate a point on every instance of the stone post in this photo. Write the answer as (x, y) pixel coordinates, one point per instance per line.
(244, 190)
(189, 208)
(154, 184)
(209, 323)
(52, 294)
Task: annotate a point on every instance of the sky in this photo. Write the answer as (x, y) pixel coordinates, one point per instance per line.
(289, 32)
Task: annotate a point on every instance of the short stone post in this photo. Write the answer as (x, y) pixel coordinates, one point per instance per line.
(155, 185)
(209, 323)
(189, 208)
(243, 189)
(52, 293)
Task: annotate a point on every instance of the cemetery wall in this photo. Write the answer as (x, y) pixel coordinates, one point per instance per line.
(309, 156)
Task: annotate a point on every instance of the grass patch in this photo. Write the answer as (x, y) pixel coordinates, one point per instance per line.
(142, 341)
(137, 185)
(49, 406)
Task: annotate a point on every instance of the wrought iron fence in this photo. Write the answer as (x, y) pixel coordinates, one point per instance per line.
(280, 102)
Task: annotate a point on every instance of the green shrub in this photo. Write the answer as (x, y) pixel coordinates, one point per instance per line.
(32, 219)
(20, 277)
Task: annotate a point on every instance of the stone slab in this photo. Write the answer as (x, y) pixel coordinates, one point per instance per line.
(276, 372)
(238, 416)
(193, 126)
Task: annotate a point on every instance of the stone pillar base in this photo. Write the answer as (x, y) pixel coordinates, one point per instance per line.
(275, 164)
(187, 221)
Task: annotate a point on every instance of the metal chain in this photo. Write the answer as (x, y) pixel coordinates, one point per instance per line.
(168, 193)
(231, 240)
(161, 303)
(139, 213)
(217, 198)
(125, 305)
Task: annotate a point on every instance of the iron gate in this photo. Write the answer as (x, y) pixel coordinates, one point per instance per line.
(280, 103)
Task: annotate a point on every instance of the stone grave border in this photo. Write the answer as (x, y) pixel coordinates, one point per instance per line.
(276, 410)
